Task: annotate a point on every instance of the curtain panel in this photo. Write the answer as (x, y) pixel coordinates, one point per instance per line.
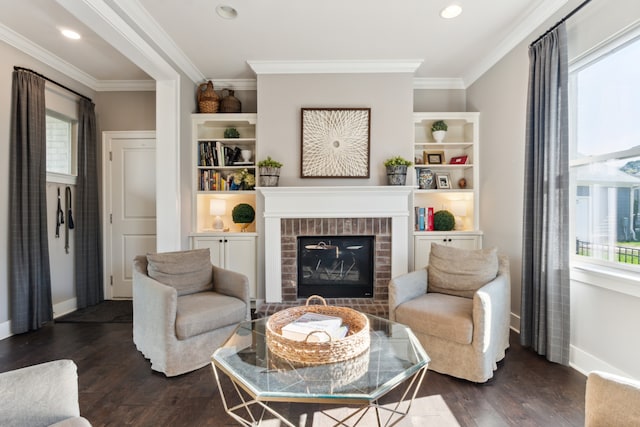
(544, 323)
(29, 273)
(88, 242)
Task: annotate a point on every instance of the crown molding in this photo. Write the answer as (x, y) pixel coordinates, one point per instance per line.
(125, 86)
(521, 31)
(150, 27)
(335, 66)
(438, 83)
(235, 84)
(35, 51)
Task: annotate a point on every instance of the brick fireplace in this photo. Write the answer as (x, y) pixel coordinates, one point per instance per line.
(290, 212)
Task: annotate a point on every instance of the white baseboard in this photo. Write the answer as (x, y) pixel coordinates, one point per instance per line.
(5, 329)
(515, 322)
(584, 363)
(65, 307)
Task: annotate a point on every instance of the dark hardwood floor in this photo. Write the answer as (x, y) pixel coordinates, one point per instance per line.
(117, 386)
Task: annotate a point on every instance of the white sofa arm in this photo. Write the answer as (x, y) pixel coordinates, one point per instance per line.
(41, 394)
(154, 312)
(492, 311)
(233, 284)
(406, 287)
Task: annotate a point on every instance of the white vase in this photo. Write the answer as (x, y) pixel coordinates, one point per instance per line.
(438, 135)
(246, 155)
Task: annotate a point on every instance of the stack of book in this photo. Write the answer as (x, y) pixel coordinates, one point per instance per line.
(315, 327)
(423, 219)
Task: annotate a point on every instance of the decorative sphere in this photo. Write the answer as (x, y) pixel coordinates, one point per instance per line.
(443, 221)
(243, 213)
(462, 183)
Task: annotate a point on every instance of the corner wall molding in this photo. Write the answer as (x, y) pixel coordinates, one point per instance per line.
(521, 30)
(334, 66)
(28, 47)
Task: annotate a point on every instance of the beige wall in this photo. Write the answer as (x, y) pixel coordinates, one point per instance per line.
(603, 322)
(125, 111)
(425, 100)
(390, 97)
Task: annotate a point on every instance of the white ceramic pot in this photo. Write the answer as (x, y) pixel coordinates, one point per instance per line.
(438, 135)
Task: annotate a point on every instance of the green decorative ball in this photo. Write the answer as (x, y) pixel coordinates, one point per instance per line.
(243, 213)
(443, 221)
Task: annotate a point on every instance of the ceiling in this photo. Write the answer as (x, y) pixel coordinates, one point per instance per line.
(452, 53)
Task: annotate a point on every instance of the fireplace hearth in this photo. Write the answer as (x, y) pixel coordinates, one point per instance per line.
(336, 266)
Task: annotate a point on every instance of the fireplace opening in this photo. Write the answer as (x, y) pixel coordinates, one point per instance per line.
(336, 266)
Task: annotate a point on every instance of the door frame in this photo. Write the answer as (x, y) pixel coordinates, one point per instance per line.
(107, 199)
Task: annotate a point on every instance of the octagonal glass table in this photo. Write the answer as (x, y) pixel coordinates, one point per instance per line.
(395, 358)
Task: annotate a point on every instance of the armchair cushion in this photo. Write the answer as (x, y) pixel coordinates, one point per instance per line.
(444, 316)
(186, 271)
(460, 272)
(207, 311)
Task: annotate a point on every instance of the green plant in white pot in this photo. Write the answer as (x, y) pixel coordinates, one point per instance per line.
(269, 172)
(439, 130)
(397, 170)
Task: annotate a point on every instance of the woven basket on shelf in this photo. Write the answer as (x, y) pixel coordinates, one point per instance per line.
(208, 99)
(316, 353)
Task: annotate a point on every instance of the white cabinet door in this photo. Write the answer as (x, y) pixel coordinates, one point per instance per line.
(236, 253)
(422, 245)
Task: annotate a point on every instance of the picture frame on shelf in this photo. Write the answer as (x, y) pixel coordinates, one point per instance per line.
(335, 142)
(433, 157)
(458, 160)
(443, 181)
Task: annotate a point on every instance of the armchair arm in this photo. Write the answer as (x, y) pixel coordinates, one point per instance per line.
(40, 394)
(234, 284)
(154, 312)
(406, 287)
(611, 400)
(492, 311)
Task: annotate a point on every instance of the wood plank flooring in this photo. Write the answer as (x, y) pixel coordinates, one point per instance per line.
(118, 388)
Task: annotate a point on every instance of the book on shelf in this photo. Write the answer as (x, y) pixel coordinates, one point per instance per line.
(421, 219)
(316, 324)
(430, 219)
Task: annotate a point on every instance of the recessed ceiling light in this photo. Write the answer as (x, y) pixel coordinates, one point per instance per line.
(451, 11)
(226, 12)
(70, 34)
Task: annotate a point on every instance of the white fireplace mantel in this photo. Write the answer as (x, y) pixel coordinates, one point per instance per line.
(332, 202)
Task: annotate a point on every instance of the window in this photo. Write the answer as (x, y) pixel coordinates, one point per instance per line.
(61, 147)
(605, 156)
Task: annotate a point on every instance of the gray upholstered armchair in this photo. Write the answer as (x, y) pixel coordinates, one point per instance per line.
(611, 400)
(184, 308)
(41, 395)
(459, 308)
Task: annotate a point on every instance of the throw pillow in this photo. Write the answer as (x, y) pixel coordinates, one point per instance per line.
(460, 272)
(187, 271)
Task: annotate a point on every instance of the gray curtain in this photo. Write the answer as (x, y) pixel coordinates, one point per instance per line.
(88, 261)
(544, 323)
(29, 274)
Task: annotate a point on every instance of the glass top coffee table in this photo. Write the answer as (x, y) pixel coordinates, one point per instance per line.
(395, 357)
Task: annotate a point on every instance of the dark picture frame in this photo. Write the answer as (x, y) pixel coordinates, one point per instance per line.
(433, 157)
(335, 142)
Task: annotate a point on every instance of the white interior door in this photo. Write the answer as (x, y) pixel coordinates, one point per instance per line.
(130, 205)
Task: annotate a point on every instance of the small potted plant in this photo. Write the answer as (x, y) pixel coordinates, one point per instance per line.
(231, 133)
(243, 214)
(269, 171)
(397, 170)
(439, 130)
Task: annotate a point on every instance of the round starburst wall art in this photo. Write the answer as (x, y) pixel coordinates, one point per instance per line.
(335, 142)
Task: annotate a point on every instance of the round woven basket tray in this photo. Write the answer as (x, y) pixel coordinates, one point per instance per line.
(305, 352)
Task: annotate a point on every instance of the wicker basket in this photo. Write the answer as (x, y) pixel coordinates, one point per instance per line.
(208, 99)
(318, 353)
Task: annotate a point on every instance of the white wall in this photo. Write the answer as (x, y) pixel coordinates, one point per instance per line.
(603, 322)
